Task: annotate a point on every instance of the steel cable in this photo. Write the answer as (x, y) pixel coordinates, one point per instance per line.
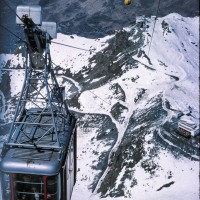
(154, 26)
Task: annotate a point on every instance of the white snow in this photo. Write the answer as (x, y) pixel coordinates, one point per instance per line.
(16, 75)
(73, 58)
(186, 181)
(180, 93)
(17, 79)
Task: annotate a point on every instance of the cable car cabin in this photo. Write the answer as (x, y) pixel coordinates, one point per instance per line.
(127, 2)
(38, 161)
(41, 171)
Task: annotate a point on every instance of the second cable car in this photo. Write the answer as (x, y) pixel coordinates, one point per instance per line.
(127, 2)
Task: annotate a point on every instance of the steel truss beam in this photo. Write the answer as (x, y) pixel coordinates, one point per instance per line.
(41, 110)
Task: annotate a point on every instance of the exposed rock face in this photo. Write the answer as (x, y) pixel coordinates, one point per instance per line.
(103, 17)
(132, 148)
(105, 137)
(118, 112)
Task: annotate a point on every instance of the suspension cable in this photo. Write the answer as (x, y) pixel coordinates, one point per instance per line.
(73, 47)
(12, 10)
(52, 42)
(12, 33)
(52, 61)
(98, 97)
(154, 26)
(91, 51)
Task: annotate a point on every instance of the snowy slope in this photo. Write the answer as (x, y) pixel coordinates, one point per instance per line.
(173, 72)
(128, 99)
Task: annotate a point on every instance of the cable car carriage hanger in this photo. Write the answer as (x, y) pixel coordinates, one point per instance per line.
(38, 160)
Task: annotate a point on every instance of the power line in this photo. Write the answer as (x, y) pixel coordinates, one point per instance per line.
(154, 26)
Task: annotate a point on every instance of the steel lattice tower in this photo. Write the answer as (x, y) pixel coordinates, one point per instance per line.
(41, 110)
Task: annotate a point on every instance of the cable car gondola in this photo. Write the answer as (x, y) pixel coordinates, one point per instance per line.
(127, 2)
(38, 161)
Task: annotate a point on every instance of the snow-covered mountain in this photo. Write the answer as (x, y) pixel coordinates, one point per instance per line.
(129, 96)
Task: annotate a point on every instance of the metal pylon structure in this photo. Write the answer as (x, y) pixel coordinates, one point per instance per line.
(38, 161)
(41, 110)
